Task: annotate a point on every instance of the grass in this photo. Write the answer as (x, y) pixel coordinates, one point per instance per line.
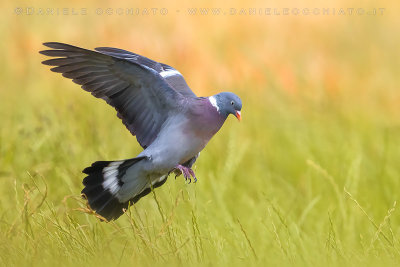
(309, 177)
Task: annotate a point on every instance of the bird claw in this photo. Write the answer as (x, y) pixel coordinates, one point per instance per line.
(193, 175)
(188, 173)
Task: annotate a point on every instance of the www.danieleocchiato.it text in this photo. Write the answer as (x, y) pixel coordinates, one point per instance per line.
(152, 11)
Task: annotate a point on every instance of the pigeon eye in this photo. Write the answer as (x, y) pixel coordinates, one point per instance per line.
(232, 103)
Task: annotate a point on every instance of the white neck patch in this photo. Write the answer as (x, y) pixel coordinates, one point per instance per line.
(213, 102)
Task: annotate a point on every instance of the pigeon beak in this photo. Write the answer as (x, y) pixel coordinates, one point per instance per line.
(238, 115)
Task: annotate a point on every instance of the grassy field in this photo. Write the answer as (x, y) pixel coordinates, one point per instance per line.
(310, 177)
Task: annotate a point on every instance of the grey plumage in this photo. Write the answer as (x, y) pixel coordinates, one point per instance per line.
(156, 105)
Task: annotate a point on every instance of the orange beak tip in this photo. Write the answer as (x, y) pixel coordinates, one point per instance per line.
(238, 115)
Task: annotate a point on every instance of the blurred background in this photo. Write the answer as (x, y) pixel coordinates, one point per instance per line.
(309, 177)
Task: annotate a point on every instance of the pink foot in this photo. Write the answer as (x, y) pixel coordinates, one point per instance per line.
(188, 173)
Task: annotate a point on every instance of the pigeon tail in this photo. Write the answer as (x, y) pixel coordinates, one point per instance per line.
(104, 182)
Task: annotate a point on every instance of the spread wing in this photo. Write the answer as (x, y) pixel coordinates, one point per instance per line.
(142, 97)
(173, 77)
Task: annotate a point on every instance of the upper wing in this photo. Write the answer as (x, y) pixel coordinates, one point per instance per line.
(173, 77)
(141, 96)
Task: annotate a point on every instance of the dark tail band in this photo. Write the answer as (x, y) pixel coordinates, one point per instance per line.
(105, 179)
(102, 185)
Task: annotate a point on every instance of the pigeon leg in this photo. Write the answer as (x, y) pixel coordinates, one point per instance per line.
(183, 170)
(192, 174)
(187, 173)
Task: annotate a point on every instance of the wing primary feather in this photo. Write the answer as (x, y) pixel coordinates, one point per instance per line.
(129, 82)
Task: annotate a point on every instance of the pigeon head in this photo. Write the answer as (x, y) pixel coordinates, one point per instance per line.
(227, 103)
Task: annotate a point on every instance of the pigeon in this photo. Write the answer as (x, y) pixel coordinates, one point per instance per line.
(157, 106)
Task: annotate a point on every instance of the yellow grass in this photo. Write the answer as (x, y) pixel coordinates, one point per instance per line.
(309, 177)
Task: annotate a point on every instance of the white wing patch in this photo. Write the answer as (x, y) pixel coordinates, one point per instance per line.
(110, 174)
(213, 102)
(169, 73)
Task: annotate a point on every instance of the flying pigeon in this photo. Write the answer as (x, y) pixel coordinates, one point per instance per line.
(157, 106)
